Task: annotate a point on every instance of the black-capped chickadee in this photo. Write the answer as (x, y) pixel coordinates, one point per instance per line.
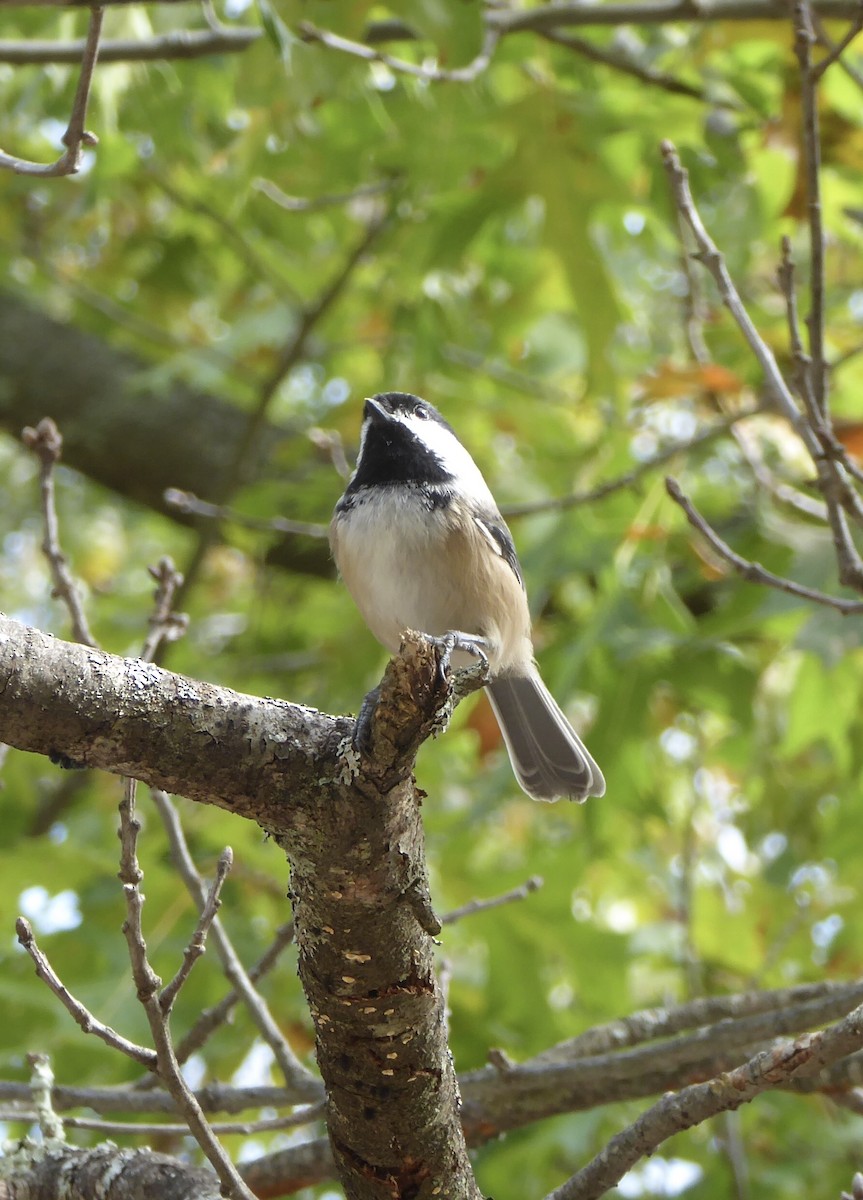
(420, 543)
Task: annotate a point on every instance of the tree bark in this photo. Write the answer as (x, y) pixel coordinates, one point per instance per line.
(350, 826)
(62, 1172)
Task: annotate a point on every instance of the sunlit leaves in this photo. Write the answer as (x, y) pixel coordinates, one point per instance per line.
(531, 281)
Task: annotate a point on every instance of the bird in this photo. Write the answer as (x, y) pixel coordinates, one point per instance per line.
(420, 544)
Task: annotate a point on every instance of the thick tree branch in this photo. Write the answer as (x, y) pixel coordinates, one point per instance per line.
(787, 1062)
(351, 828)
(132, 718)
(62, 1172)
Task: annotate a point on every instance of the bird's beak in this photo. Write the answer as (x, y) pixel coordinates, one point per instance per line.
(375, 412)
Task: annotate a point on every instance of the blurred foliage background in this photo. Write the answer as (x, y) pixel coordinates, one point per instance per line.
(521, 267)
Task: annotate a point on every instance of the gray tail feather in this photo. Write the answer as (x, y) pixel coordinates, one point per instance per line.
(547, 755)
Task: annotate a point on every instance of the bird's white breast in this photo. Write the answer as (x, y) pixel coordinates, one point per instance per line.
(409, 566)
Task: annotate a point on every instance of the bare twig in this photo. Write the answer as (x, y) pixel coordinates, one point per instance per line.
(791, 1061)
(198, 942)
(804, 36)
(833, 482)
(708, 255)
(165, 624)
(303, 1116)
(46, 443)
(296, 1076)
(181, 43)
(188, 502)
(477, 906)
(76, 136)
(835, 49)
(654, 1023)
(752, 571)
(212, 1018)
(213, 1097)
(83, 1016)
(147, 985)
(818, 416)
(333, 41)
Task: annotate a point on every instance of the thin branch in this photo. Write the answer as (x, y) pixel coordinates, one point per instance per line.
(467, 74)
(852, 72)
(295, 1074)
(752, 571)
(215, 1016)
(198, 943)
(147, 985)
(819, 417)
(694, 315)
(477, 906)
(804, 36)
(190, 504)
(833, 482)
(835, 49)
(213, 1097)
(165, 624)
(82, 1015)
(653, 1023)
(631, 477)
(76, 136)
(626, 64)
(791, 1061)
(708, 255)
(181, 43)
(46, 443)
(296, 1120)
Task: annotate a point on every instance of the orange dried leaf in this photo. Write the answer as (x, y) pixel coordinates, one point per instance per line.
(670, 381)
(850, 434)
(482, 722)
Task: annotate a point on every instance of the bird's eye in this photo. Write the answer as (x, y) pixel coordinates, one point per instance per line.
(422, 413)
